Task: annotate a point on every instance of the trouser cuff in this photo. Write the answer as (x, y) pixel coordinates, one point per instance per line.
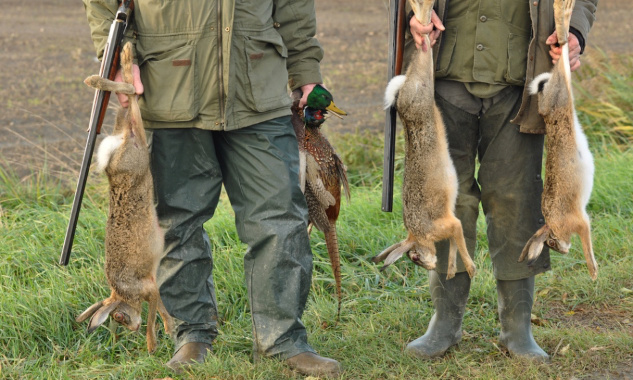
(203, 333)
(283, 351)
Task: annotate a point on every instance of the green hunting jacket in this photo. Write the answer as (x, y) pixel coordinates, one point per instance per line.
(216, 65)
(537, 60)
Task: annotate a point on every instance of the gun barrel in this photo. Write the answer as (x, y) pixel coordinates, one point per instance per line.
(396, 48)
(109, 65)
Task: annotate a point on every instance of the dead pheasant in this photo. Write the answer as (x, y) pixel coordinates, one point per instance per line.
(322, 172)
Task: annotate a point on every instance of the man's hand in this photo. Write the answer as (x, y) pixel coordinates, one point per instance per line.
(556, 51)
(306, 89)
(433, 30)
(138, 85)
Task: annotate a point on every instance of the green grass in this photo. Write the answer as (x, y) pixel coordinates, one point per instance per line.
(586, 326)
(604, 100)
(382, 312)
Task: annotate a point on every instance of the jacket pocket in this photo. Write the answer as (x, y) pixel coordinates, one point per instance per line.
(445, 54)
(267, 73)
(170, 86)
(517, 59)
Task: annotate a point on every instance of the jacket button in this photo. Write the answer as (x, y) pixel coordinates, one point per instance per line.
(541, 221)
(276, 25)
(483, 18)
(227, 29)
(535, 3)
(480, 47)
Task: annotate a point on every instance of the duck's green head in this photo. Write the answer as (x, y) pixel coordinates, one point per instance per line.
(321, 99)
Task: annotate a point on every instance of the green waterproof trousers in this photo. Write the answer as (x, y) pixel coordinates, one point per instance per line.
(508, 183)
(258, 166)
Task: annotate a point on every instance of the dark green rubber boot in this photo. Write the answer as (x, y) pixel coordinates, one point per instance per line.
(515, 309)
(445, 329)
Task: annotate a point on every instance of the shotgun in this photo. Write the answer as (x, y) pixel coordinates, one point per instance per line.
(397, 21)
(109, 66)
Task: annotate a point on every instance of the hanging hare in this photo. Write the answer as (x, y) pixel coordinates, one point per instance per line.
(429, 189)
(569, 165)
(134, 241)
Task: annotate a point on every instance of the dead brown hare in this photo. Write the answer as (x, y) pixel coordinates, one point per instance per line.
(569, 167)
(429, 189)
(134, 241)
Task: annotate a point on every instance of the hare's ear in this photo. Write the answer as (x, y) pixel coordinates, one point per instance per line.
(101, 315)
(89, 311)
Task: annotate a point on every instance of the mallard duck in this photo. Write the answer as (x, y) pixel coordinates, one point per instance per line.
(320, 99)
(322, 172)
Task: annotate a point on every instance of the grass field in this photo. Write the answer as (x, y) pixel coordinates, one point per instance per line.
(586, 326)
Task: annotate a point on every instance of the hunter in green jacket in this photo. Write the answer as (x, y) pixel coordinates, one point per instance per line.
(486, 52)
(213, 88)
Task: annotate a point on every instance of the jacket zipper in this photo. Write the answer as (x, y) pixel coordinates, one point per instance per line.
(220, 63)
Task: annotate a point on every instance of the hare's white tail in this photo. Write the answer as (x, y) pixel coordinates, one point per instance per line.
(538, 83)
(106, 150)
(393, 87)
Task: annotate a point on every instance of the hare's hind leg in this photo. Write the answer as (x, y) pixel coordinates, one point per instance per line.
(127, 58)
(422, 10)
(562, 17)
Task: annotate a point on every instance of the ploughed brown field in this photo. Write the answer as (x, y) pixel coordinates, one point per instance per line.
(46, 52)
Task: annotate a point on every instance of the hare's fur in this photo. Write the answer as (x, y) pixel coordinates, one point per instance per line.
(569, 164)
(430, 182)
(134, 241)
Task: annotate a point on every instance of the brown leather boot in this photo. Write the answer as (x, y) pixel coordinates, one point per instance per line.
(189, 354)
(311, 364)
